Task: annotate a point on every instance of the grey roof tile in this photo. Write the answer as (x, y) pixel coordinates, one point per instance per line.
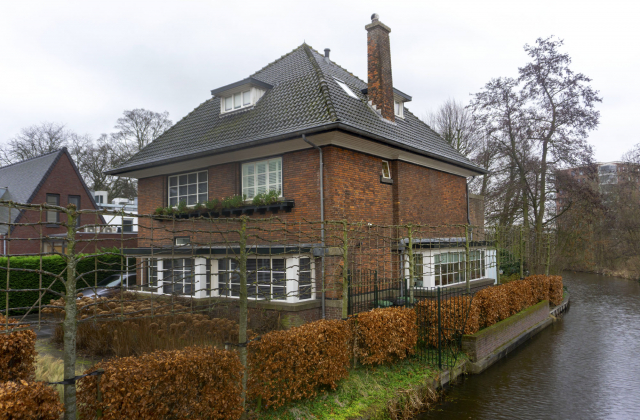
(304, 96)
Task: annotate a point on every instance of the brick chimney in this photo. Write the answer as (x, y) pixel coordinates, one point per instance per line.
(380, 82)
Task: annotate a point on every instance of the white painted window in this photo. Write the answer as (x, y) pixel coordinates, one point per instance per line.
(450, 267)
(346, 88)
(262, 177)
(399, 109)
(386, 171)
(240, 100)
(178, 276)
(190, 187)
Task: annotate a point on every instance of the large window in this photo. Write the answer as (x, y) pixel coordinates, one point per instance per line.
(240, 100)
(150, 273)
(305, 283)
(450, 267)
(190, 188)
(261, 177)
(228, 277)
(178, 276)
(418, 270)
(53, 216)
(266, 278)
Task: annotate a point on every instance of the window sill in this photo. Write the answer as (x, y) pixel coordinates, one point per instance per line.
(384, 180)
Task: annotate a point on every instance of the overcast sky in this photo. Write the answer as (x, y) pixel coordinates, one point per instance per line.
(82, 63)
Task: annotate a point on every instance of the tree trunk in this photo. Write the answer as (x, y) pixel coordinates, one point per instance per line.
(70, 319)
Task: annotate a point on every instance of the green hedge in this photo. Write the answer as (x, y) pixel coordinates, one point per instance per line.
(53, 264)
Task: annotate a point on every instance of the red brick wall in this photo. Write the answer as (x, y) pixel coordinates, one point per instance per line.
(62, 180)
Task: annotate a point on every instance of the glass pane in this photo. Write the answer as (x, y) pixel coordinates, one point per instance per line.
(264, 277)
(173, 181)
(262, 167)
(202, 188)
(305, 264)
(183, 180)
(202, 198)
(173, 201)
(192, 200)
(246, 98)
(173, 191)
(183, 190)
(193, 178)
(228, 103)
(202, 176)
(52, 200)
(193, 189)
(279, 293)
(278, 264)
(262, 179)
(237, 100)
(264, 292)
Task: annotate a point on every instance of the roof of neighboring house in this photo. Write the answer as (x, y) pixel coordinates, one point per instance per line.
(304, 98)
(21, 181)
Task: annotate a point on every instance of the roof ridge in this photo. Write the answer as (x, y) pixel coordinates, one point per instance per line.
(339, 66)
(324, 89)
(279, 59)
(33, 158)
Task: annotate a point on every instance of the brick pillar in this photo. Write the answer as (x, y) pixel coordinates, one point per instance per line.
(380, 83)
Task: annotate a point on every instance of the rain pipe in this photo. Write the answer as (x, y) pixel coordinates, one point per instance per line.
(321, 217)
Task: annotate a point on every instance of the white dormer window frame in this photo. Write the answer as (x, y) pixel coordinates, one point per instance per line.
(243, 98)
(398, 109)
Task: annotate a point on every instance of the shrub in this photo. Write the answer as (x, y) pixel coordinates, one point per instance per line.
(195, 383)
(107, 265)
(29, 400)
(291, 365)
(384, 335)
(17, 352)
(540, 286)
(458, 315)
(556, 291)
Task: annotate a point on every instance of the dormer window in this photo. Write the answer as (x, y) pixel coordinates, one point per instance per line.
(242, 94)
(399, 109)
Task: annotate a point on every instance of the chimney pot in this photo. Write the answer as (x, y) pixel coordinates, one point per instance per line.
(375, 17)
(326, 52)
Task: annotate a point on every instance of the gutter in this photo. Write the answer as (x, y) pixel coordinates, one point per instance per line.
(321, 216)
(314, 130)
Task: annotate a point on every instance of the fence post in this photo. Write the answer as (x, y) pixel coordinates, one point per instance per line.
(242, 331)
(522, 249)
(376, 298)
(345, 272)
(497, 254)
(70, 323)
(439, 332)
(467, 263)
(99, 394)
(6, 293)
(411, 266)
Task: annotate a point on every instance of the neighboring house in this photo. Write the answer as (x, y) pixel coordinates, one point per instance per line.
(301, 116)
(126, 220)
(53, 179)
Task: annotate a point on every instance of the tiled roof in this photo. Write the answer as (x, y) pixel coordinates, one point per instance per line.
(304, 96)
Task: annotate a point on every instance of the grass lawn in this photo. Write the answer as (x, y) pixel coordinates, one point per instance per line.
(367, 390)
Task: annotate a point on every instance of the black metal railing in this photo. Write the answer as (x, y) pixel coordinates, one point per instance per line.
(368, 291)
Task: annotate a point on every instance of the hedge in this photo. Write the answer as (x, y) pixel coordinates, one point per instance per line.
(29, 401)
(193, 383)
(17, 352)
(290, 365)
(384, 335)
(52, 264)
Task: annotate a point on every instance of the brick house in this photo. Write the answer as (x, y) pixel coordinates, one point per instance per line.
(334, 148)
(53, 179)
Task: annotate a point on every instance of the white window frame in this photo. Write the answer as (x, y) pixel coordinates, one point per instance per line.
(428, 272)
(388, 169)
(197, 184)
(184, 275)
(254, 95)
(247, 176)
(346, 88)
(398, 109)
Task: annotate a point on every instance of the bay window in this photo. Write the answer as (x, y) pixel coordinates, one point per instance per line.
(261, 177)
(178, 276)
(190, 187)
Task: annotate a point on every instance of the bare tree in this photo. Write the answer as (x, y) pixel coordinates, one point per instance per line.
(137, 128)
(454, 122)
(34, 141)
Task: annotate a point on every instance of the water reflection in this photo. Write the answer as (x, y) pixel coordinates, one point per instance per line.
(586, 366)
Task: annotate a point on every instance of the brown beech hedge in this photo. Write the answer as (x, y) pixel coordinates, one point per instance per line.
(456, 313)
(384, 335)
(194, 383)
(290, 365)
(29, 401)
(17, 352)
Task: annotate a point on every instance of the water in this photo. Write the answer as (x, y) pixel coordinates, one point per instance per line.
(585, 366)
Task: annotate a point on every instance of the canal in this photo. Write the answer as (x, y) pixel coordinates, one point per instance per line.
(585, 366)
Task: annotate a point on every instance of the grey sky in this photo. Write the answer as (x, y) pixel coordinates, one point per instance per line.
(82, 63)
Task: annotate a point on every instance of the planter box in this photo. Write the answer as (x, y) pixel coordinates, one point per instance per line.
(485, 343)
(285, 205)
